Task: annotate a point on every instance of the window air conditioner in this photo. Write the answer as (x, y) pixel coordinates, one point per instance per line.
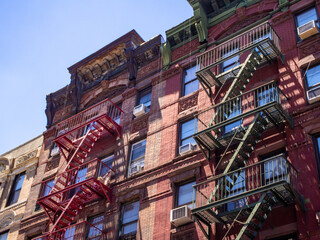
(139, 110)
(135, 169)
(54, 151)
(307, 30)
(313, 94)
(187, 148)
(180, 216)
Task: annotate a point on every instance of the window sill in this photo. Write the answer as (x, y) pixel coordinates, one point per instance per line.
(13, 206)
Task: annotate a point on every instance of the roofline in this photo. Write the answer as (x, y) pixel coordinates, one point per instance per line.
(128, 36)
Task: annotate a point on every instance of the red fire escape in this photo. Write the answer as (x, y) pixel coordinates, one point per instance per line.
(80, 180)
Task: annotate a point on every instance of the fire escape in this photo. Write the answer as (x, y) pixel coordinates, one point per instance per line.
(240, 196)
(80, 181)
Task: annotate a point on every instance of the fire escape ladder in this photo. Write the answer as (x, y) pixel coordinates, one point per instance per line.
(247, 143)
(237, 87)
(258, 215)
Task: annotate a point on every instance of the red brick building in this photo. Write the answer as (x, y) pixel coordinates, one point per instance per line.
(214, 134)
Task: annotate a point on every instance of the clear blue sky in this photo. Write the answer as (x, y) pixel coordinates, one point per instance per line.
(40, 39)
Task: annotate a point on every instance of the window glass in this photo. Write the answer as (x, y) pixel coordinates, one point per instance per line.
(188, 128)
(107, 161)
(82, 174)
(97, 222)
(16, 188)
(230, 63)
(235, 111)
(145, 97)
(235, 185)
(69, 233)
(4, 236)
(185, 194)
(138, 151)
(130, 218)
(307, 16)
(313, 76)
(47, 187)
(269, 94)
(260, 36)
(275, 169)
(190, 81)
(117, 114)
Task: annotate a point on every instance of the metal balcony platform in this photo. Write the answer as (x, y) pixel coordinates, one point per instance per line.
(262, 38)
(268, 100)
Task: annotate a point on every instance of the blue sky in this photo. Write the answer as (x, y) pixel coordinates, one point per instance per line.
(40, 39)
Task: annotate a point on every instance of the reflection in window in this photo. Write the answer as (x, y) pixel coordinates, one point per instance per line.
(187, 129)
(95, 231)
(130, 216)
(231, 62)
(185, 194)
(306, 16)
(190, 81)
(69, 233)
(313, 76)
(4, 236)
(235, 184)
(105, 169)
(233, 111)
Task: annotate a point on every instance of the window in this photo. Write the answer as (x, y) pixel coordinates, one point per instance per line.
(187, 129)
(117, 113)
(266, 95)
(4, 236)
(130, 216)
(45, 190)
(105, 169)
(235, 184)
(144, 97)
(235, 110)
(313, 77)
(275, 169)
(69, 233)
(185, 194)
(16, 188)
(54, 150)
(231, 62)
(306, 16)
(81, 176)
(93, 232)
(137, 154)
(190, 81)
(260, 36)
(317, 149)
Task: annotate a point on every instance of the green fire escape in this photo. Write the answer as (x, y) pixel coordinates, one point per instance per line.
(241, 195)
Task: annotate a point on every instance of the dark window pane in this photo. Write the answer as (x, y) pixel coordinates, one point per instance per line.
(4, 236)
(107, 161)
(94, 233)
(47, 187)
(191, 87)
(138, 150)
(16, 188)
(145, 98)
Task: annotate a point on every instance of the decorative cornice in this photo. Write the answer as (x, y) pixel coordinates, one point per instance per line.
(188, 102)
(26, 157)
(6, 219)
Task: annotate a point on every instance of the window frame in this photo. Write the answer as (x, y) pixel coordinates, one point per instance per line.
(317, 153)
(108, 158)
(305, 9)
(121, 225)
(143, 92)
(177, 189)
(184, 83)
(236, 204)
(90, 220)
(222, 68)
(13, 189)
(180, 131)
(139, 158)
(5, 232)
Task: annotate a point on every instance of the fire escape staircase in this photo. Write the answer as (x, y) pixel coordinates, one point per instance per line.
(264, 105)
(79, 181)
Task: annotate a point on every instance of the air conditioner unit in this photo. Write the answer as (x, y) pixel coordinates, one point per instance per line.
(307, 30)
(55, 151)
(135, 169)
(313, 94)
(185, 149)
(139, 110)
(180, 216)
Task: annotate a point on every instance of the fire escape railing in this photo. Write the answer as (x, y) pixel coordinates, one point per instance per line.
(79, 231)
(244, 105)
(68, 180)
(237, 45)
(252, 179)
(88, 115)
